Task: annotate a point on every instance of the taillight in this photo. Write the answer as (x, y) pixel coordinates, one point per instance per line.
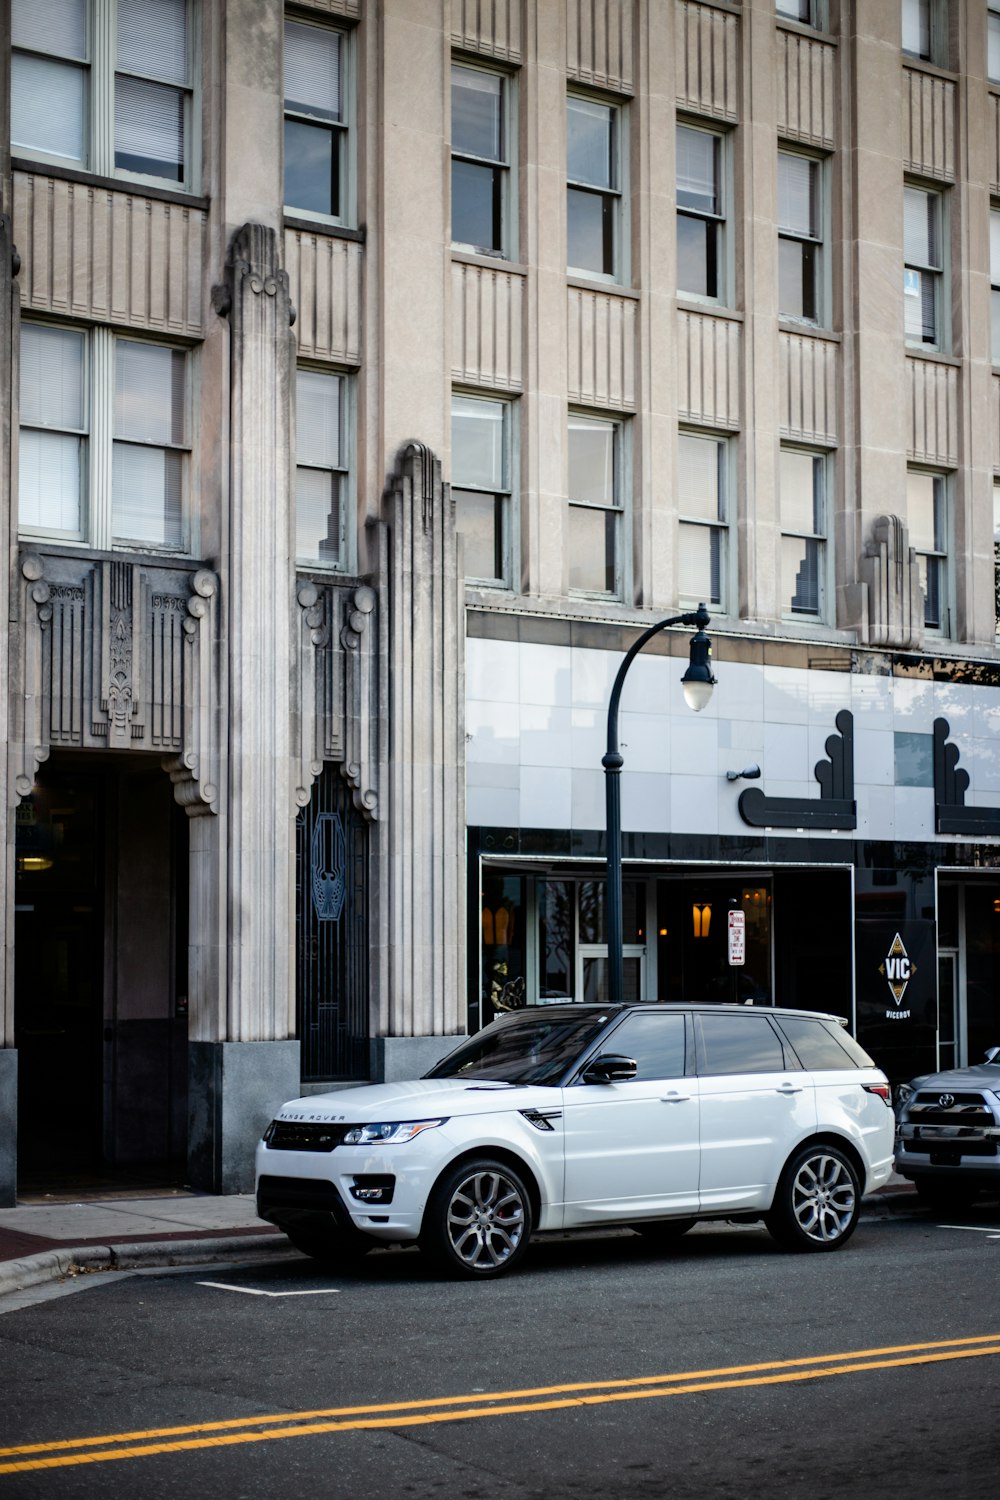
(882, 1089)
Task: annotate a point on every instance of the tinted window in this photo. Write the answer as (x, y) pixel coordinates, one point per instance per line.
(739, 1044)
(818, 1046)
(535, 1051)
(655, 1041)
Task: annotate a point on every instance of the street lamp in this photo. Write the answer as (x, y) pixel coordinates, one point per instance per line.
(698, 683)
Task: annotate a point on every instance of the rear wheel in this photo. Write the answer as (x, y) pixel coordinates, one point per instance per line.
(478, 1220)
(817, 1202)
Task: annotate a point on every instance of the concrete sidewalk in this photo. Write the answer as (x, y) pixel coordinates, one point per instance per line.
(47, 1241)
(42, 1242)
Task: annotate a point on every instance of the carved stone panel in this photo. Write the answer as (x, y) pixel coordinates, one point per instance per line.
(119, 654)
(890, 572)
(338, 717)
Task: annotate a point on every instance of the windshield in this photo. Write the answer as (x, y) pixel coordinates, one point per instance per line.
(535, 1051)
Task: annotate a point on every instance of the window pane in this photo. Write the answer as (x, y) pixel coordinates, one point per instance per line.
(476, 205)
(50, 487)
(699, 562)
(739, 1044)
(993, 47)
(995, 248)
(592, 550)
(801, 493)
(656, 1041)
(318, 418)
(477, 459)
(798, 199)
(479, 519)
(995, 318)
(590, 230)
(312, 71)
(149, 129)
(817, 1046)
(698, 170)
(318, 517)
(47, 107)
(932, 583)
(312, 168)
(699, 478)
(57, 26)
(149, 392)
(152, 38)
(591, 461)
(920, 306)
(800, 574)
(697, 256)
(590, 143)
(476, 122)
(925, 511)
(920, 228)
(556, 949)
(146, 495)
(916, 28)
(795, 10)
(52, 374)
(797, 279)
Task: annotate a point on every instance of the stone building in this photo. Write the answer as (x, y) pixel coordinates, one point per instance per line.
(376, 371)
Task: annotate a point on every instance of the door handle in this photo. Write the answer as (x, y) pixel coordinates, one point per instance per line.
(789, 1088)
(674, 1098)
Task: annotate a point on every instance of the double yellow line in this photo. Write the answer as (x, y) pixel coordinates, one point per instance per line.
(110, 1447)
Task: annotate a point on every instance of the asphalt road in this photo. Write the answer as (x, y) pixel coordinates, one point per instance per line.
(718, 1368)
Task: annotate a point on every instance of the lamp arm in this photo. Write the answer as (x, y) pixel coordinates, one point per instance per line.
(699, 617)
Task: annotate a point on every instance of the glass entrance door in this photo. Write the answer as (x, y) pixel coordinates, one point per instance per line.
(950, 1030)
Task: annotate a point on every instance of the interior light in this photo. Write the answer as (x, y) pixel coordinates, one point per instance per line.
(701, 915)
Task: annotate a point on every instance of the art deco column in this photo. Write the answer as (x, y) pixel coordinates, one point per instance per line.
(8, 1056)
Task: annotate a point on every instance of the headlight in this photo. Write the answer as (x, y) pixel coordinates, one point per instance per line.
(400, 1130)
(904, 1093)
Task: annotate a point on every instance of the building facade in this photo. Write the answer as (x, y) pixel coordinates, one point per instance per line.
(375, 372)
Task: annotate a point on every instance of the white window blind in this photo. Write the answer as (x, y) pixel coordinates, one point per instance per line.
(149, 392)
(318, 418)
(58, 27)
(312, 71)
(152, 39)
(147, 475)
(53, 421)
(47, 110)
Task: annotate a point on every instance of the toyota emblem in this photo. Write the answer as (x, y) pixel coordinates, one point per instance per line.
(946, 1100)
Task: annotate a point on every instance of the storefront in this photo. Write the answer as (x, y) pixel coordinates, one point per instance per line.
(859, 875)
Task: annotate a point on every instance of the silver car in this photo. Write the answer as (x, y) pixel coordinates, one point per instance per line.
(948, 1132)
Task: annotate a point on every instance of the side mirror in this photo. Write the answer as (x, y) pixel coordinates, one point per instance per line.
(610, 1067)
(992, 1054)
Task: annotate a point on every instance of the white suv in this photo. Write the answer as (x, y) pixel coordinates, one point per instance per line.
(575, 1116)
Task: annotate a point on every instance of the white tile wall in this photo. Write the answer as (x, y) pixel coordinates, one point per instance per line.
(536, 717)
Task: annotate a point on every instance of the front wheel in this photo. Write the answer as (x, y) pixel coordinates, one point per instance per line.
(478, 1220)
(817, 1202)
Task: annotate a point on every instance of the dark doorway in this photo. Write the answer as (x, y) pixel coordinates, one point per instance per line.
(331, 921)
(101, 977)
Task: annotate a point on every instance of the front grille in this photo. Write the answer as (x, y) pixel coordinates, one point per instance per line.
(299, 1135)
(279, 1197)
(925, 1108)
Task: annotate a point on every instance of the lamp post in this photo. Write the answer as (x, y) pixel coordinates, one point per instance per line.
(698, 683)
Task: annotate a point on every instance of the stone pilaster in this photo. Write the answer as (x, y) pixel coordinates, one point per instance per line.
(8, 1057)
(421, 973)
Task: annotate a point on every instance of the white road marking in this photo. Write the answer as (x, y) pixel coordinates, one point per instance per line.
(252, 1291)
(973, 1229)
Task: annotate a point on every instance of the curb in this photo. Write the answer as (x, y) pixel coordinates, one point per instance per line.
(71, 1261)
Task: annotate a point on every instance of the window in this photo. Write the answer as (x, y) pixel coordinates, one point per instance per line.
(108, 90)
(97, 404)
(322, 470)
(702, 465)
(993, 44)
(316, 165)
(655, 1040)
(701, 214)
(800, 237)
(480, 161)
(798, 10)
(802, 481)
(996, 554)
(596, 506)
(995, 284)
(594, 200)
(927, 516)
(924, 32)
(923, 275)
(481, 485)
(818, 1046)
(738, 1044)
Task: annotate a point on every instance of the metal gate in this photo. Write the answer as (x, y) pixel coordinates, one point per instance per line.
(331, 925)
